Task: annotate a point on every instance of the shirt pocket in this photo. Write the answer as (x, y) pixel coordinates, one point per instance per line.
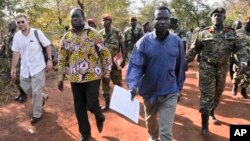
(170, 63)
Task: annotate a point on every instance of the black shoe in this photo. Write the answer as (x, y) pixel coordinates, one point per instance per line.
(235, 89)
(204, 132)
(34, 120)
(105, 108)
(213, 118)
(17, 98)
(22, 98)
(204, 124)
(85, 138)
(246, 96)
(244, 93)
(99, 123)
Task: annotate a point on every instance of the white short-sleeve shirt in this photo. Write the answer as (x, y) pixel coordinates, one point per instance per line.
(32, 60)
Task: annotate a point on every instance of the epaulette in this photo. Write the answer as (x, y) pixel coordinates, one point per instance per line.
(230, 28)
(227, 29)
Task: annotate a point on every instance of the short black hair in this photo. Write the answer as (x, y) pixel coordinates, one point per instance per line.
(163, 8)
(145, 23)
(78, 9)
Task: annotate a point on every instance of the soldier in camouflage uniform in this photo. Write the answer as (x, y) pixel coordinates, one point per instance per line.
(175, 29)
(146, 28)
(236, 25)
(132, 35)
(216, 43)
(7, 56)
(91, 23)
(243, 79)
(115, 43)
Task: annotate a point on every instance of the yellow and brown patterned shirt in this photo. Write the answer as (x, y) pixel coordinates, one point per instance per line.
(83, 56)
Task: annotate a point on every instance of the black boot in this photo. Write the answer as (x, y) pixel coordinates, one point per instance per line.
(204, 124)
(212, 117)
(22, 97)
(235, 89)
(107, 102)
(99, 122)
(244, 93)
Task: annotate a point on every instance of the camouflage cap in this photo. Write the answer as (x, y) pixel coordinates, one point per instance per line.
(106, 17)
(218, 10)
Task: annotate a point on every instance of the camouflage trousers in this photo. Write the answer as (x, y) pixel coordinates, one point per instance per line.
(129, 51)
(116, 78)
(242, 79)
(212, 81)
(5, 68)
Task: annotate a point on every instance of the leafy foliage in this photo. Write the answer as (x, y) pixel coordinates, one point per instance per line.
(190, 12)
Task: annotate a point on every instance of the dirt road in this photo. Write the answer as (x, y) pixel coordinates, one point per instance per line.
(59, 122)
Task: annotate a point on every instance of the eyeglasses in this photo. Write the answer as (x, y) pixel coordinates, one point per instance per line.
(20, 22)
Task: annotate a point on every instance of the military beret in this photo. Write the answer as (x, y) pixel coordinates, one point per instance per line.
(247, 19)
(106, 17)
(133, 18)
(90, 21)
(218, 10)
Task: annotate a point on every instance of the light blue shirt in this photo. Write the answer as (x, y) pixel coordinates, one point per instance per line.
(157, 67)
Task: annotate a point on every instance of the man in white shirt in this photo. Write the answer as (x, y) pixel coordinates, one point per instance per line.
(32, 74)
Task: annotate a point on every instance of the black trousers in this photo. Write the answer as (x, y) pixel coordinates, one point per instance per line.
(86, 98)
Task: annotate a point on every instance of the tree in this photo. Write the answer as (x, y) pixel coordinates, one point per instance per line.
(190, 12)
(53, 15)
(236, 10)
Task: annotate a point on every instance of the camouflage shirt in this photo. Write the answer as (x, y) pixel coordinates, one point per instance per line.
(112, 40)
(132, 37)
(216, 48)
(176, 31)
(244, 40)
(85, 55)
(6, 47)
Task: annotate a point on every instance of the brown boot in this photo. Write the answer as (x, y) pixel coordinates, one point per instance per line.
(244, 93)
(235, 89)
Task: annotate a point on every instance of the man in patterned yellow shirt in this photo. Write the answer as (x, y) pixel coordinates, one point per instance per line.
(84, 58)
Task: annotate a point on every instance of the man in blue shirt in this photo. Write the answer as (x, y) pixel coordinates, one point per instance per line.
(157, 72)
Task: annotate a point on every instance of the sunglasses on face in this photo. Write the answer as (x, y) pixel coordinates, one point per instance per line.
(20, 22)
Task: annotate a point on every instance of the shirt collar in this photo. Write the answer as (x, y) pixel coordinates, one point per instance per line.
(155, 37)
(86, 27)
